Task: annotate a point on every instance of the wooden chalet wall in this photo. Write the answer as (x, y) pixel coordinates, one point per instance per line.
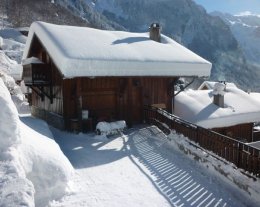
(40, 106)
(114, 98)
(241, 132)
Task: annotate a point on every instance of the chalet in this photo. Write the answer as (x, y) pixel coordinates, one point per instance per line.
(226, 109)
(209, 85)
(80, 75)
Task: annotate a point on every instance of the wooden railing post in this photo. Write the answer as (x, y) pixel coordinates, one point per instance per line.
(239, 153)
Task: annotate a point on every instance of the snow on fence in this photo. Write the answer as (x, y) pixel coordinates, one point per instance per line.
(242, 155)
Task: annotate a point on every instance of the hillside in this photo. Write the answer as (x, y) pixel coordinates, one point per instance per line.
(246, 28)
(21, 13)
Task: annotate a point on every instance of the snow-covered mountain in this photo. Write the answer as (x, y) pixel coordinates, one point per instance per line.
(21, 13)
(246, 29)
(186, 22)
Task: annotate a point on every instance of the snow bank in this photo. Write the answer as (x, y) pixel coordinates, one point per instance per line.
(17, 94)
(228, 171)
(33, 169)
(15, 188)
(9, 125)
(44, 163)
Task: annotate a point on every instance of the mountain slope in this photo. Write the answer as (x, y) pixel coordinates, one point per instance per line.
(21, 13)
(246, 29)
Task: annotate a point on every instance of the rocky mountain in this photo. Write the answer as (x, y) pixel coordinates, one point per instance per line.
(21, 13)
(189, 24)
(246, 28)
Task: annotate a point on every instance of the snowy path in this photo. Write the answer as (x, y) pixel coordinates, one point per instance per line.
(138, 169)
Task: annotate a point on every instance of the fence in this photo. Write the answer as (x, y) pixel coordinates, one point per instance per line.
(242, 155)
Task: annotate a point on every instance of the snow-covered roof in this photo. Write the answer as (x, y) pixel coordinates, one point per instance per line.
(255, 144)
(255, 96)
(210, 85)
(83, 51)
(197, 106)
(31, 60)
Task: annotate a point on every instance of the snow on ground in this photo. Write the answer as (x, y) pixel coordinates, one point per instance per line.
(15, 188)
(33, 169)
(228, 172)
(139, 169)
(44, 163)
(12, 45)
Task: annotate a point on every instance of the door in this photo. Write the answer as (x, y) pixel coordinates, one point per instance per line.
(137, 101)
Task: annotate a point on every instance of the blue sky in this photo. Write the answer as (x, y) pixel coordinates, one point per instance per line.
(231, 6)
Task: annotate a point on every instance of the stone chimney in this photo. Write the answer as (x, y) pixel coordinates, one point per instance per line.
(218, 92)
(155, 32)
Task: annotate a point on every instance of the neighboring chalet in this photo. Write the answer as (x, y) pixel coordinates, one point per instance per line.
(80, 76)
(209, 85)
(225, 109)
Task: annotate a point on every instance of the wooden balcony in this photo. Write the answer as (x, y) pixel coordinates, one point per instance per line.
(36, 75)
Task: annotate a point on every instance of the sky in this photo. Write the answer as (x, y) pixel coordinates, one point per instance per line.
(231, 6)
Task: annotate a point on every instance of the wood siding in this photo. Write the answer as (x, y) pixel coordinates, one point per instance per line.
(114, 98)
(241, 132)
(38, 51)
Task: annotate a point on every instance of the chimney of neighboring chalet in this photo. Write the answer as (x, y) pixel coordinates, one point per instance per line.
(218, 92)
(155, 32)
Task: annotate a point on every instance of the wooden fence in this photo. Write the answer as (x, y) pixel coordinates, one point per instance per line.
(242, 155)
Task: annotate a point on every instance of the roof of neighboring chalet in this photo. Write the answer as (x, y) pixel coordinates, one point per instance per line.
(254, 144)
(31, 60)
(196, 106)
(255, 96)
(210, 85)
(83, 51)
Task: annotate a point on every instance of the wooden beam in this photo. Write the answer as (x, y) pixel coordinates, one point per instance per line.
(130, 102)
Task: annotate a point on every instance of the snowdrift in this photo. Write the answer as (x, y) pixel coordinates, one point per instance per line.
(15, 188)
(33, 169)
(44, 163)
(9, 124)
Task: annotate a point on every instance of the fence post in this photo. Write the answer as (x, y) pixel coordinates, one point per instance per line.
(197, 135)
(239, 154)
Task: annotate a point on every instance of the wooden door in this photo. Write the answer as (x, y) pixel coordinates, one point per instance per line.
(137, 101)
